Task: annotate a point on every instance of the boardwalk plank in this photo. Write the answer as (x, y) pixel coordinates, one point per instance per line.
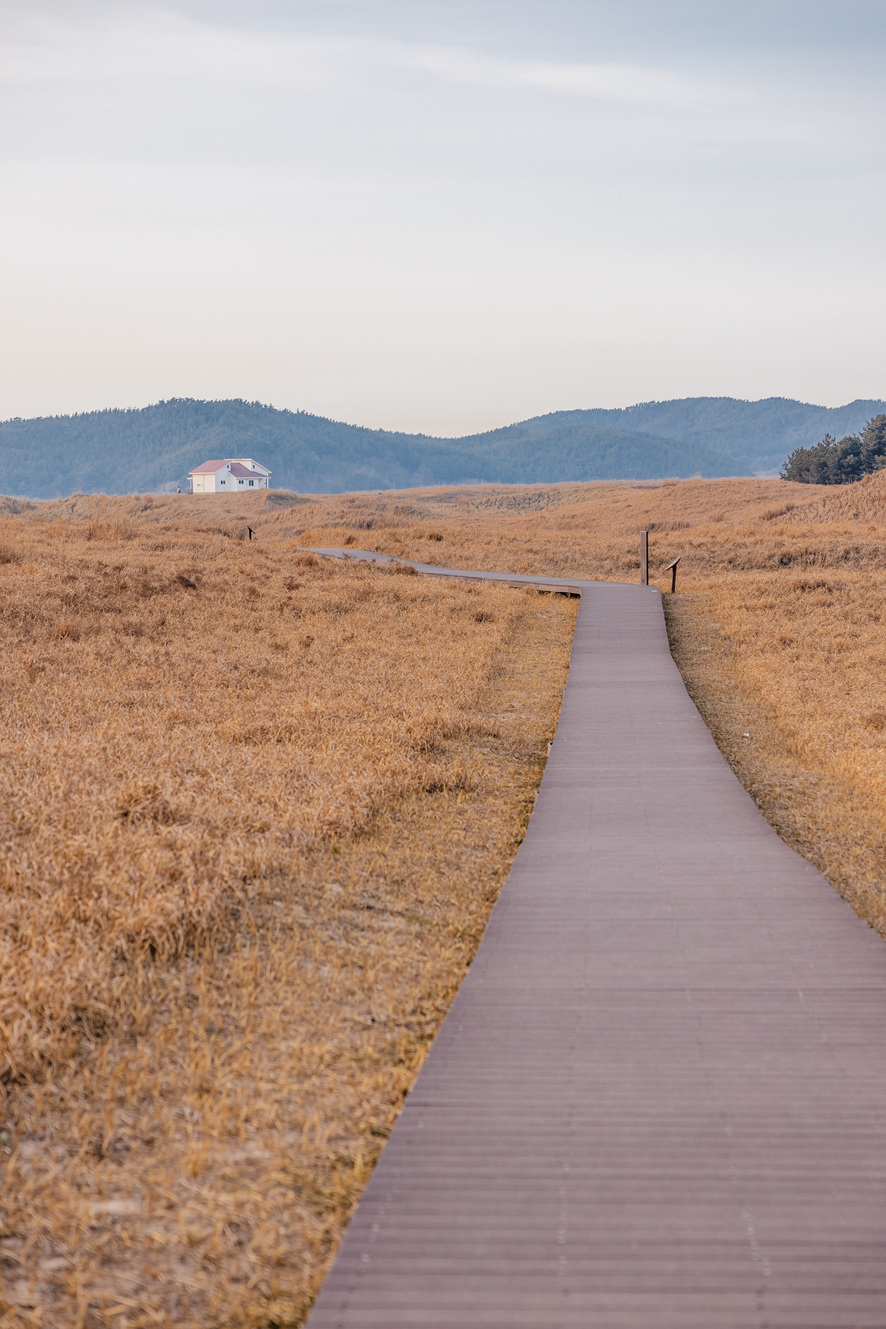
(659, 1099)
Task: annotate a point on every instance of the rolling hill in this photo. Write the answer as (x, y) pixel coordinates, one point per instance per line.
(126, 451)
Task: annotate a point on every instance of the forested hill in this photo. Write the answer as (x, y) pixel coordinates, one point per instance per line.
(125, 451)
(759, 434)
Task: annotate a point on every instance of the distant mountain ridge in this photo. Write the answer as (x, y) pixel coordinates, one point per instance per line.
(758, 432)
(143, 449)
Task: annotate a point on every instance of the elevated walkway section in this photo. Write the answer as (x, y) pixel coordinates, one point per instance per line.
(659, 1098)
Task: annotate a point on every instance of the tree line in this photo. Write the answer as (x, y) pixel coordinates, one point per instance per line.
(836, 461)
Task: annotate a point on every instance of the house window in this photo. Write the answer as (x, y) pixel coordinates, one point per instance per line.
(222, 481)
(252, 482)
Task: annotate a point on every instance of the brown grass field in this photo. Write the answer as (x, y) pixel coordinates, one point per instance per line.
(255, 810)
(257, 806)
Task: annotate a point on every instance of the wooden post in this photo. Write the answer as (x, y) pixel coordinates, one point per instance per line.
(251, 532)
(644, 558)
(672, 569)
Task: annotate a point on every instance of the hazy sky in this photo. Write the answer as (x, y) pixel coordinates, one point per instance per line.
(441, 216)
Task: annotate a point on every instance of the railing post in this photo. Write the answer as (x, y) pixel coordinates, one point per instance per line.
(644, 558)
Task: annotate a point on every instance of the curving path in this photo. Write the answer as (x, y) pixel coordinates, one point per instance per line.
(659, 1098)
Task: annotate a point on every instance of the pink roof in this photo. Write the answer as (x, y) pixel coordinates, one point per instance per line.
(208, 468)
(237, 469)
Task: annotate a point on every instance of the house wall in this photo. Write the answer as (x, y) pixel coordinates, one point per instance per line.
(212, 484)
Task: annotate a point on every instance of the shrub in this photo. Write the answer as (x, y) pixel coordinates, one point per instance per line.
(840, 461)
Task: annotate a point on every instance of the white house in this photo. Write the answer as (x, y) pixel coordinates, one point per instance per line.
(234, 474)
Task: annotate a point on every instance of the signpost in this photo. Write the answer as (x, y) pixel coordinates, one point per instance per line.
(672, 569)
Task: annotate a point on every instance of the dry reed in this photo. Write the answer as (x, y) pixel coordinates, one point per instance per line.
(256, 808)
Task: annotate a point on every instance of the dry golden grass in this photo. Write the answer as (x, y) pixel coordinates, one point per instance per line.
(777, 625)
(254, 826)
(256, 807)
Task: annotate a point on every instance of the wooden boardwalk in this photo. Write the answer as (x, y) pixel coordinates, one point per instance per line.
(659, 1099)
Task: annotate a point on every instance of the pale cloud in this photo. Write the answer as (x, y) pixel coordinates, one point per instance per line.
(434, 226)
(601, 82)
(147, 42)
